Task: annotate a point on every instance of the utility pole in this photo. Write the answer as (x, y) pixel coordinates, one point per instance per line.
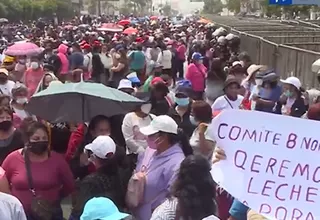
(99, 7)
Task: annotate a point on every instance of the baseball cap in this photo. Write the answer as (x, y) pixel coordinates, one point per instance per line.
(292, 81)
(125, 84)
(197, 56)
(102, 147)
(101, 208)
(162, 123)
(4, 71)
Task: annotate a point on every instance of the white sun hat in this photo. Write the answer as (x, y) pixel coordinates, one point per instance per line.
(292, 80)
(102, 147)
(162, 123)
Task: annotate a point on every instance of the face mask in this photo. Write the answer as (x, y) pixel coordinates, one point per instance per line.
(146, 108)
(71, 50)
(182, 101)
(259, 82)
(34, 65)
(5, 126)
(38, 147)
(22, 101)
(152, 143)
(193, 120)
(288, 93)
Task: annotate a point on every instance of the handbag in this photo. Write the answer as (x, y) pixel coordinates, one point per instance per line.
(41, 209)
(135, 190)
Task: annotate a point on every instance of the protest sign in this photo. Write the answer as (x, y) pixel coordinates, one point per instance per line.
(272, 162)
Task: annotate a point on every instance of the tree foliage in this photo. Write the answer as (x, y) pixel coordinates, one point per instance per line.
(234, 5)
(212, 6)
(16, 10)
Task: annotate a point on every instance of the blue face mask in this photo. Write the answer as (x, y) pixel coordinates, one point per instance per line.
(193, 120)
(182, 101)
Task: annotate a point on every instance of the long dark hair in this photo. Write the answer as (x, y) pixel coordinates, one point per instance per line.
(195, 189)
(183, 140)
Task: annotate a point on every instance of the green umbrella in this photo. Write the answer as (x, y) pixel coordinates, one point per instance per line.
(80, 102)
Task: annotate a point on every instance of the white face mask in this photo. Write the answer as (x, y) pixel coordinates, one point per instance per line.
(34, 65)
(22, 101)
(259, 82)
(146, 108)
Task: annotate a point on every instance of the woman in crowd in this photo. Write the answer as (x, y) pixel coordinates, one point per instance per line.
(158, 98)
(4, 183)
(165, 58)
(291, 101)
(10, 138)
(108, 180)
(120, 66)
(46, 80)
(85, 134)
(192, 196)
(168, 146)
(269, 93)
(231, 99)
(200, 141)
(18, 103)
(33, 76)
(197, 74)
(181, 111)
(49, 186)
(132, 123)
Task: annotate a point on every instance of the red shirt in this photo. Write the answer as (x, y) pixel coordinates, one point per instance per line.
(181, 52)
(50, 177)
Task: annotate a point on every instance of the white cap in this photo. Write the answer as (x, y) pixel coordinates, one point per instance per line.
(221, 39)
(236, 63)
(292, 81)
(162, 123)
(211, 217)
(102, 147)
(125, 84)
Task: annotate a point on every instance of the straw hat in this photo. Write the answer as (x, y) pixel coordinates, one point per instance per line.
(252, 215)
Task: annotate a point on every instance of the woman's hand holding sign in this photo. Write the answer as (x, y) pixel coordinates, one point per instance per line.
(218, 155)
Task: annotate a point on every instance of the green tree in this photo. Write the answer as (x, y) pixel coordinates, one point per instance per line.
(234, 5)
(166, 9)
(212, 6)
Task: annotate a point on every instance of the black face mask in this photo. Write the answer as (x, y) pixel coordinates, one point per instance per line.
(5, 126)
(38, 147)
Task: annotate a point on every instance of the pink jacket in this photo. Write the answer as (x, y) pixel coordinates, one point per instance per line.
(62, 54)
(32, 79)
(197, 75)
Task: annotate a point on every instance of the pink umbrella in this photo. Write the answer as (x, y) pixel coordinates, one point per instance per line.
(68, 26)
(130, 31)
(110, 27)
(23, 49)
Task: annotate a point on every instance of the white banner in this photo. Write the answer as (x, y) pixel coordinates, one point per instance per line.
(273, 162)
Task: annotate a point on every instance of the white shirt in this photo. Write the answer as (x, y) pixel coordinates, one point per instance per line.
(11, 208)
(222, 103)
(106, 61)
(195, 142)
(164, 58)
(87, 61)
(135, 140)
(6, 88)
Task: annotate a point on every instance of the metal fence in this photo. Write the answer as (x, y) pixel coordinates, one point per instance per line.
(280, 46)
(287, 60)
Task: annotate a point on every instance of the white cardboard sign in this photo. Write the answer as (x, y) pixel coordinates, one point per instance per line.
(273, 162)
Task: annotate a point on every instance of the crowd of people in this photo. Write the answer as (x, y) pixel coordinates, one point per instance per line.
(151, 163)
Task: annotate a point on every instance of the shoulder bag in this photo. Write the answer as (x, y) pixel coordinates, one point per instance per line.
(41, 209)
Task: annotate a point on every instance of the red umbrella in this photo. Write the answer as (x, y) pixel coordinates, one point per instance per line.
(111, 27)
(130, 31)
(124, 22)
(23, 49)
(154, 17)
